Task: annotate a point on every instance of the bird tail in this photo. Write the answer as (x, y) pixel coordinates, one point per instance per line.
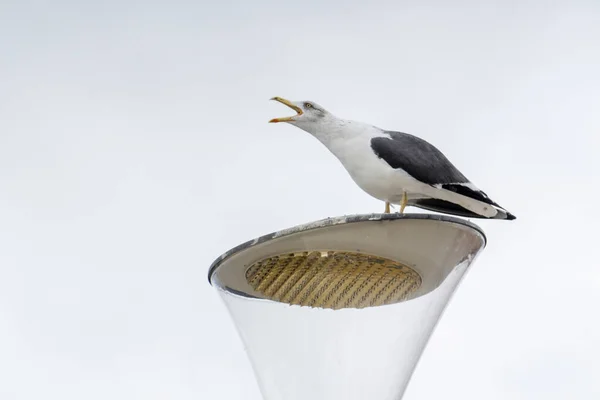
(447, 207)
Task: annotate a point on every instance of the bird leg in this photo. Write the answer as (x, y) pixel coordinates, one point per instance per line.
(387, 207)
(403, 202)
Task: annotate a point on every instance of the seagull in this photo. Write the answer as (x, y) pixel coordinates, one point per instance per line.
(394, 167)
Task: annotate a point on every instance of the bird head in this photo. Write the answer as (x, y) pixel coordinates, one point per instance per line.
(307, 113)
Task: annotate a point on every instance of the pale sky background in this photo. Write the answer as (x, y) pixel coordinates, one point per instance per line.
(135, 149)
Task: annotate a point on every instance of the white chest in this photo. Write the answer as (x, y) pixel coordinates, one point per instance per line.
(350, 142)
(371, 173)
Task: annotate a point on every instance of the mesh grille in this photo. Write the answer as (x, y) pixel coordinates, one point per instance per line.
(332, 279)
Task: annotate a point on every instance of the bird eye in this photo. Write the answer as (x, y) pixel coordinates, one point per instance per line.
(308, 105)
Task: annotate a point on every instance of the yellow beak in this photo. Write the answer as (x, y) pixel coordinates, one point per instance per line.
(290, 105)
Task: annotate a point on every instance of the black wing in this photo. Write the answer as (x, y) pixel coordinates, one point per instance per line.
(424, 162)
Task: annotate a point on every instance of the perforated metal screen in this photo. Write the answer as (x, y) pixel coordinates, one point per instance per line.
(332, 279)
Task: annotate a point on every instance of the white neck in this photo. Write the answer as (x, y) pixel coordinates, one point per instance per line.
(332, 129)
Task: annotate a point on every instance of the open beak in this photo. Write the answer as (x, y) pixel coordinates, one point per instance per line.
(290, 105)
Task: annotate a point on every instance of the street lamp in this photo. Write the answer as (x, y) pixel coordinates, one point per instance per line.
(342, 308)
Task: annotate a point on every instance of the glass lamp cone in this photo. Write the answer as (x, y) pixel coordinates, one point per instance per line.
(343, 308)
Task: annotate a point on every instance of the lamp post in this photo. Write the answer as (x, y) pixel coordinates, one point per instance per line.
(343, 308)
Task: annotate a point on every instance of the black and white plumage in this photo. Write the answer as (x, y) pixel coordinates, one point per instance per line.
(395, 167)
(426, 163)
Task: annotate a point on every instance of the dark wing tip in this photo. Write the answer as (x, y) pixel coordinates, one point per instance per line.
(446, 207)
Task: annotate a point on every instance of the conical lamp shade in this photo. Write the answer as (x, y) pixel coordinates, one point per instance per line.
(342, 308)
